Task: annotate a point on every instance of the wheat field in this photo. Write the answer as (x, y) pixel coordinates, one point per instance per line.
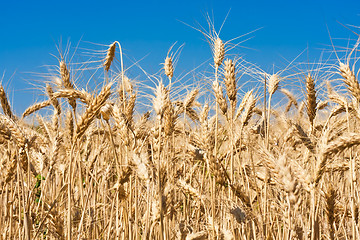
(263, 163)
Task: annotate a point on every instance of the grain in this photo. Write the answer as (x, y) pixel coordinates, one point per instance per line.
(92, 111)
(311, 103)
(5, 103)
(110, 56)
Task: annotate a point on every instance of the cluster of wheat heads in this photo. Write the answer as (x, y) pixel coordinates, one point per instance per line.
(240, 168)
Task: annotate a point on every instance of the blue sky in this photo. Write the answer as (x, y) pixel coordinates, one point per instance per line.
(31, 30)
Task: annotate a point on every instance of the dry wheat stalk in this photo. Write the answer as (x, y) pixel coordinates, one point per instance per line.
(53, 100)
(274, 81)
(141, 126)
(16, 133)
(106, 111)
(5, 103)
(206, 138)
(291, 97)
(169, 120)
(168, 67)
(187, 105)
(330, 200)
(20, 139)
(220, 97)
(55, 151)
(65, 77)
(11, 168)
(142, 169)
(84, 96)
(161, 99)
(242, 104)
(130, 107)
(305, 139)
(189, 100)
(339, 145)
(110, 56)
(282, 173)
(36, 107)
(69, 123)
(230, 80)
(300, 111)
(322, 105)
(336, 111)
(248, 111)
(311, 103)
(218, 51)
(123, 125)
(92, 111)
(350, 80)
(241, 194)
(128, 86)
(4, 133)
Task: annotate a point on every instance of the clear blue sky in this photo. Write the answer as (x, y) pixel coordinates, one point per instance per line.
(30, 31)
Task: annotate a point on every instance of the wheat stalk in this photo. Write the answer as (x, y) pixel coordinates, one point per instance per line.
(5, 103)
(169, 68)
(110, 56)
(65, 77)
(333, 148)
(330, 198)
(230, 80)
(291, 97)
(36, 107)
(218, 52)
(161, 99)
(274, 81)
(311, 103)
(92, 111)
(220, 97)
(53, 100)
(72, 94)
(350, 80)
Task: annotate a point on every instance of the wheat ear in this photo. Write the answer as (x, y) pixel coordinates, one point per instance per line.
(220, 97)
(36, 107)
(230, 79)
(248, 110)
(110, 56)
(218, 51)
(11, 168)
(330, 207)
(291, 97)
(333, 148)
(72, 94)
(92, 111)
(20, 139)
(311, 103)
(65, 77)
(274, 81)
(5, 103)
(169, 68)
(53, 100)
(350, 80)
(161, 99)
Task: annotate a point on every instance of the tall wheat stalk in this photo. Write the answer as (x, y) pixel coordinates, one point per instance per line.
(274, 81)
